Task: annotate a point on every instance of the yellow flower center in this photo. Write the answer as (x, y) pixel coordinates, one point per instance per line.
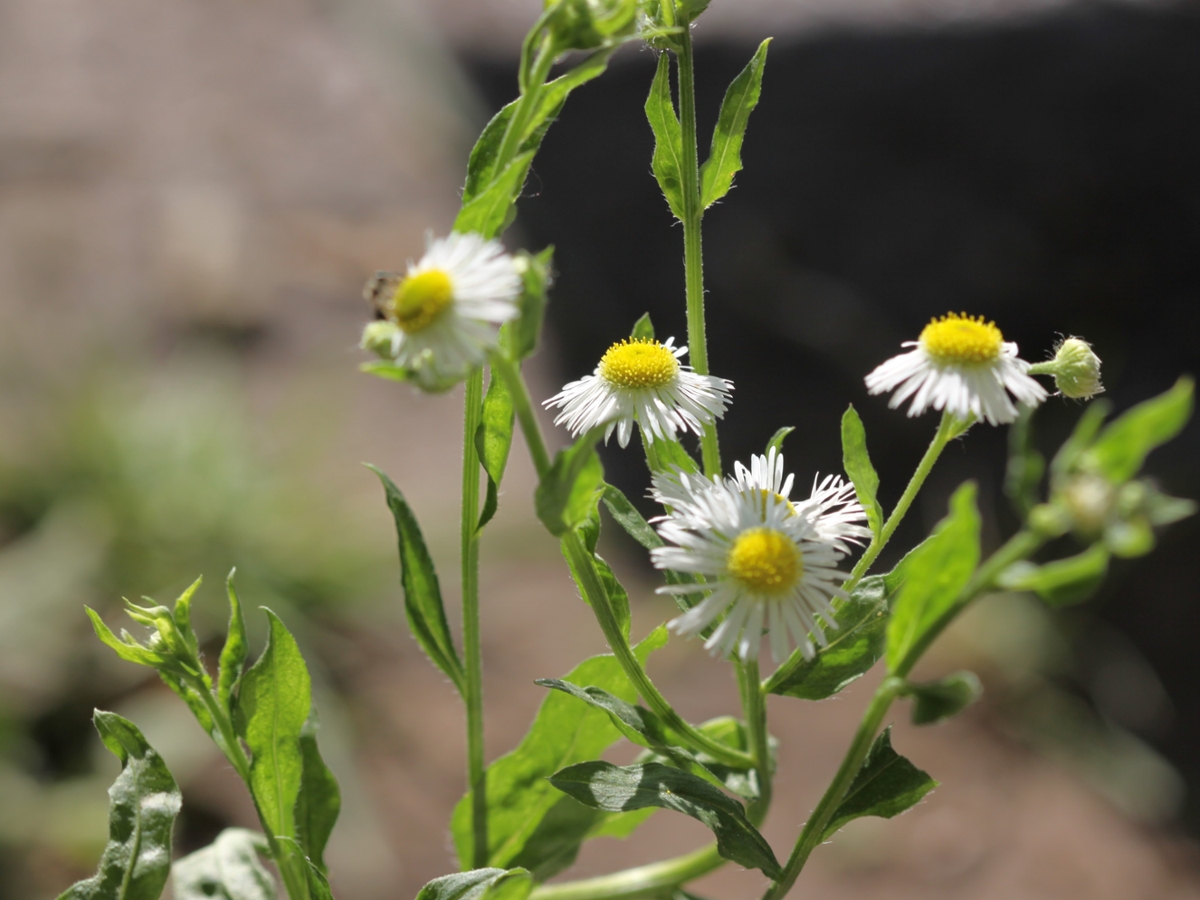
(766, 561)
(638, 363)
(962, 340)
(420, 299)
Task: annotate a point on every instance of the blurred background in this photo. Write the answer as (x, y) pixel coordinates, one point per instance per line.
(191, 196)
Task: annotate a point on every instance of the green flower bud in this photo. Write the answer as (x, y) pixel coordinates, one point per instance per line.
(1076, 369)
(1089, 499)
(380, 338)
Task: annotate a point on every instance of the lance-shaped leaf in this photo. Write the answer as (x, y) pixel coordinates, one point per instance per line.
(422, 593)
(857, 464)
(493, 439)
(886, 785)
(526, 331)
(1122, 447)
(233, 654)
(936, 572)
(564, 731)
(272, 707)
(643, 329)
(143, 803)
(673, 455)
(227, 869)
(618, 597)
(624, 788)
(667, 161)
(478, 884)
(491, 210)
(1062, 582)
(320, 799)
(725, 158)
(626, 515)
(942, 699)
(566, 496)
(776, 441)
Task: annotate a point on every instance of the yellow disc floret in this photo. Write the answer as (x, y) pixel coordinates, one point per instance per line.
(638, 363)
(962, 340)
(765, 560)
(420, 299)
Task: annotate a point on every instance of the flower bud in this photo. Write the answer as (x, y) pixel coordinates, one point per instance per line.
(1076, 369)
(1090, 500)
(380, 338)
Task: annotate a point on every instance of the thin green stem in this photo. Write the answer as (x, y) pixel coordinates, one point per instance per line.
(693, 257)
(515, 133)
(755, 709)
(472, 651)
(643, 881)
(526, 415)
(814, 830)
(597, 597)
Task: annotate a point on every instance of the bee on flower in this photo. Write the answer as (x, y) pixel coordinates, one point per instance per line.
(768, 562)
(440, 319)
(642, 380)
(961, 365)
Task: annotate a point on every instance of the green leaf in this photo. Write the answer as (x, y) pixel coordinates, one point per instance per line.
(272, 707)
(488, 213)
(535, 272)
(563, 732)
(857, 464)
(318, 884)
(667, 162)
(143, 803)
(618, 597)
(623, 788)
(566, 496)
(1062, 582)
(776, 440)
(885, 786)
(477, 884)
(672, 453)
(643, 329)
(125, 646)
(493, 439)
(233, 654)
(935, 575)
(1129, 538)
(386, 369)
(227, 869)
(852, 650)
(182, 614)
(320, 799)
(1081, 438)
(1120, 450)
(638, 724)
(422, 594)
(1026, 465)
(626, 515)
(943, 699)
(725, 158)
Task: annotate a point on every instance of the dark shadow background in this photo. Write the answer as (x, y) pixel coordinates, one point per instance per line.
(1043, 174)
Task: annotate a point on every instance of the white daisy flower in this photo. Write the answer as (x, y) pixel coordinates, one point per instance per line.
(961, 365)
(446, 308)
(768, 562)
(642, 380)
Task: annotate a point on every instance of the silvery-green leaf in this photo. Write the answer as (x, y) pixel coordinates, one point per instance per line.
(725, 158)
(227, 869)
(886, 785)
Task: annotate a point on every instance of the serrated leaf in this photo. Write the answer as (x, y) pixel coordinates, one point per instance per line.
(564, 731)
(725, 158)
(566, 496)
(857, 463)
(488, 212)
(643, 329)
(886, 785)
(535, 272)
(1062, 582)
(776, 441)
(272, 706)
(1122, 447)
(667, 161)
(143, 803)
(493, 440)
(320, 799)
(233, 653)
(422, 593)
(624, 788)
(942, 699)
(935, 574)
(227, 869)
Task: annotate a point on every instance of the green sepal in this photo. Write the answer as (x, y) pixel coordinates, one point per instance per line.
(725, 158)
(886, 785)
(567, 494)
(143, 803)
(667, 162)
(857, 463)
(613, 788)
(942, 699)
(1063, 582)
(935, 574)
(493, 440)
(422, 594)
(227, 869)
(1121, 448)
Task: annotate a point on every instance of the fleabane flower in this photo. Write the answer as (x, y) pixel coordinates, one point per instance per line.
(445, 309)
(768, 562)
(642, 380)
(962, 365)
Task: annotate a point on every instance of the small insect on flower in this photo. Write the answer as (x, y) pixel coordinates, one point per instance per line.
(961, 365)
(769, 563)
(445, 309)
(642, 380)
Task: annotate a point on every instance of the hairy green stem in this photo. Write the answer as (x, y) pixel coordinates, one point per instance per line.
(514, 380)
(472, 651)
(513, 135)
(655, 879)
(754, 707)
